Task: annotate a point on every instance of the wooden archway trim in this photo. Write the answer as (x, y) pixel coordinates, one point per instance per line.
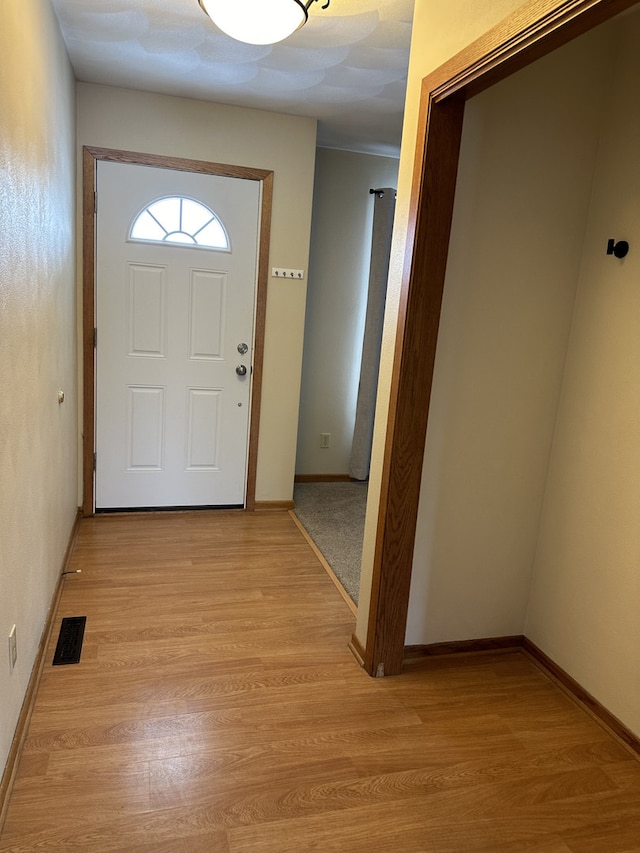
(533, 31)
(90, 157)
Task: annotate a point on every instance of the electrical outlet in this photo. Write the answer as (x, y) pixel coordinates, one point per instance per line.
(325, 440)
(13, 648)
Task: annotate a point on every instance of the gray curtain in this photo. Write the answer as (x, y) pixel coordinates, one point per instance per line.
(384, 208)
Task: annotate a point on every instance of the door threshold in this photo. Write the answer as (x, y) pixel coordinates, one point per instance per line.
(197, 508)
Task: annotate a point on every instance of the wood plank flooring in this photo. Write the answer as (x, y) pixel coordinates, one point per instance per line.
(217, 709)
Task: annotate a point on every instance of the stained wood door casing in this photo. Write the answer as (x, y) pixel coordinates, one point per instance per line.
(531, 32)
(264, 180)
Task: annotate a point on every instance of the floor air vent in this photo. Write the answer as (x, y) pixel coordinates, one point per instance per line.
(69, 646)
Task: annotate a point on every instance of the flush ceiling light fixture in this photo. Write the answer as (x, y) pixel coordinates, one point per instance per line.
(258, 21)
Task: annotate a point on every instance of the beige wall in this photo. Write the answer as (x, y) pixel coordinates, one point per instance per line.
(158, 124)
(585, 595)
(336, 303)
(38, 498)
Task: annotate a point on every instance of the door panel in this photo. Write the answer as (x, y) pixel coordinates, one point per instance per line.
(172, 413)
(207, 310)
(147, 314)
(145, 415)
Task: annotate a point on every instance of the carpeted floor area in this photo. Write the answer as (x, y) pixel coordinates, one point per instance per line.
(333, 516)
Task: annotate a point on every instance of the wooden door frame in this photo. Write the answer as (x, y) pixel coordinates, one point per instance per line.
(531, 32)
(90, 157)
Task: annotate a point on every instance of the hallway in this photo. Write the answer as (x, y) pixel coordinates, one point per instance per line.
(218, 708)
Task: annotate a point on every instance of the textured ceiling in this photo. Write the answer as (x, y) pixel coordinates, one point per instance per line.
(347, 66)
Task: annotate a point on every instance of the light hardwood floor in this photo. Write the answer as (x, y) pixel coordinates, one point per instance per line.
(217, 709)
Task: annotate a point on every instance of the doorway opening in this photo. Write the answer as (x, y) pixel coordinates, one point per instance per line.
(526, 36)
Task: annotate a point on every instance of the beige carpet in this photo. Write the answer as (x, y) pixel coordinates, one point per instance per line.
(333, 516)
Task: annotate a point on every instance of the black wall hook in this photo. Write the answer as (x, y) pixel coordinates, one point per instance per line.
(618, 249)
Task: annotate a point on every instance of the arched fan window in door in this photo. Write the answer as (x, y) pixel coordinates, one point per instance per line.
(179, 220)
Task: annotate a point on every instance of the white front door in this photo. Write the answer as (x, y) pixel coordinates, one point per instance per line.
(175, 326)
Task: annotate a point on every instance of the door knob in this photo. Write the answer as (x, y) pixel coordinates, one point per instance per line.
(241, 370)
